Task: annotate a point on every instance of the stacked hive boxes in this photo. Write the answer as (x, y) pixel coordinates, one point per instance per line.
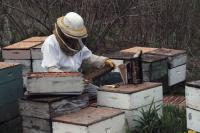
(21, 52)
(192, 93)
(159, 64)
(176, 64)
(131, 99)
(11, 88)
(37, 113)
(91, 120)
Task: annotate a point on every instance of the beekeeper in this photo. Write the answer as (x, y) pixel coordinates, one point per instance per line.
(64, 51)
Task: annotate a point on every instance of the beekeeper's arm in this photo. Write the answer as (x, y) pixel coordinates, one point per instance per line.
(50, 56)
(94, 61)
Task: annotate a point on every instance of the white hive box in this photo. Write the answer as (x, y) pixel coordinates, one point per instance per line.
(91, 120)
(55, 83)
(193, 119)
(130, 96)
(132, 116)
(176, 64)
(192, 93)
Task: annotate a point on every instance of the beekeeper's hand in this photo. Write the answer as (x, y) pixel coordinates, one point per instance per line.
(110, 63)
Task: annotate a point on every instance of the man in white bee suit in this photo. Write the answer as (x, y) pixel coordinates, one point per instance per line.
(64, 51)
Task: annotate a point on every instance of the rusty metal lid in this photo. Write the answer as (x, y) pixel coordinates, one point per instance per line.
(52, 74)
(167, 52)
(4, 65)
(88, 116)
(195, 84)
(36, 39)
(136, 49)
(129, 88)
(21, 45)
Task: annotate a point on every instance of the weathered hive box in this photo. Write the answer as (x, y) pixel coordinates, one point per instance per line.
(54, 83)
(11, 88)
(193, 119)
(38, 112)
(91, 120)
(176, 64)
(19, 51)
(192, 93)
(12, 126)
(130, 96)
(36, 52)
(154, 68)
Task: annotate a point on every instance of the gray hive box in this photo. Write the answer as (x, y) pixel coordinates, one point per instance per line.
(56, 82)
(37, 112)
(91, 120)
(176, 64)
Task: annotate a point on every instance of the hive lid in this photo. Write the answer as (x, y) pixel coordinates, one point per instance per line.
(52, 74)
(4, 65)
(153, 58)
(36, 39)
(195, 84)
(22, 45)
(129, 88)
(167, 52)
(135, 49)
(88, 116)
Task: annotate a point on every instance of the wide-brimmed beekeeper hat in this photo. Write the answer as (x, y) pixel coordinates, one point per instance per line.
(72, 25)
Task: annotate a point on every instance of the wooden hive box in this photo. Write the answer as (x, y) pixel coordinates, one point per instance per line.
(56, 82)
(129, 96)
(192, 93)
(11, 88)
(91, 120)
(19, 51)
(37, 112)
(154, 68)
(11, 126)
(176, 64)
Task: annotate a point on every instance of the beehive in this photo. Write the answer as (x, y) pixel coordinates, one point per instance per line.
(176, 64)
(131, 99)
(91, 120)
(129, 96)
(193, 121)
(56, 82)
(37, 112)
(192, 92)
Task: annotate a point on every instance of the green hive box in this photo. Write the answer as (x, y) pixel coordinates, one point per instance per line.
(11, 88)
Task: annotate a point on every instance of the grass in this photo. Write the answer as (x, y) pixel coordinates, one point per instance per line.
(173, 120)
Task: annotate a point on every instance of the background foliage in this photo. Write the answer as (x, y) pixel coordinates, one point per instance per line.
(112, 24)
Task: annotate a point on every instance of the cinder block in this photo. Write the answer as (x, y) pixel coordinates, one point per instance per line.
(57, 83)
(91, 120)
(129, 96)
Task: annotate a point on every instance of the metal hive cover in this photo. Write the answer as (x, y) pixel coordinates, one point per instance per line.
(4, 65)
(135, 49)
(36, 39)
(88, 116)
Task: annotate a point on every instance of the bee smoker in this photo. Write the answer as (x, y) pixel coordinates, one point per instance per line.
(134, 69)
